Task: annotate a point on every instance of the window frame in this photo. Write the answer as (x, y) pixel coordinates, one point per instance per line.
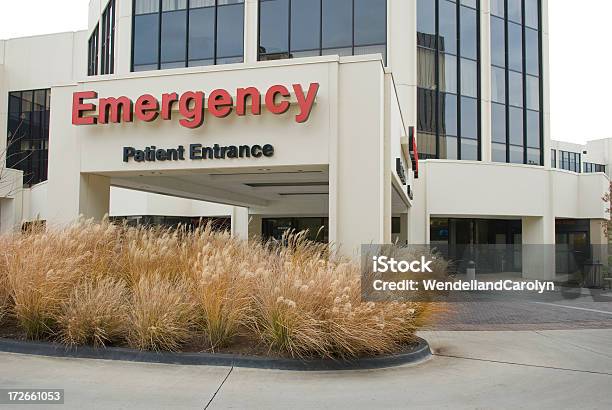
(526, 107)
(107, 55)
(440, 95)
(38, 145)
(93, 52)
(188, 9)
(320, 48)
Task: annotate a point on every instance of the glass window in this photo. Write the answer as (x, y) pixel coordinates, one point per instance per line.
(337, 23)
(498, 85)
(426, 70)
(427, 145)
(515, 47)
(532, 15)
(305, 25)
(426, 110)
(498, 152)
(202, 36)
(173, 36)
(230, 33)
(92, 53)
(146, 31)
(522, 74)
(498, 123)
(302, 28)
(146, 6)
(515, 88)
(515, 11)
(426, 17)
(370, 22)
(28, 134)
(273, 34)
(453, 17)
(468, 33)
(448, 147)
(469, 149)
(498, 8)
(449, 119)
(498, 42)
(215, 36)
(532, 47)
(448, 27)
(469, 118)
(448, 73)
(533, 92)
(533, 129)
(107, 62)
(516, 154)
(516, 126)
(469, 78)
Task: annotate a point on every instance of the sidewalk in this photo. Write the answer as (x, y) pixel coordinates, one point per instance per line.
(525, 369)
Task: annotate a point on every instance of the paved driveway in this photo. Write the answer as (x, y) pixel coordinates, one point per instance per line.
(498, 369)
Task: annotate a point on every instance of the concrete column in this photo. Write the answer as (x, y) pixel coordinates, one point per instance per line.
(359, 204)
(403, 237)
(94, 196)
(123, 35)
(485, 83)
(255, 222)
(240, 223)
(402, 57)
(538, 248)
(599, 241)
(8, 215)
(251, 27)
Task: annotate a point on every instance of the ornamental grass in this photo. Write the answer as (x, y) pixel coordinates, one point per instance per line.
(162, 289)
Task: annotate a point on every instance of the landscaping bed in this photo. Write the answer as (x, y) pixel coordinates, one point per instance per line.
(175, 290)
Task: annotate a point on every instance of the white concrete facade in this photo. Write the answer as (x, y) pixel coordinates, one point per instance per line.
(340, 164)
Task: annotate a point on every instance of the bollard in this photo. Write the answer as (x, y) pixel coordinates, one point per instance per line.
(471, 271)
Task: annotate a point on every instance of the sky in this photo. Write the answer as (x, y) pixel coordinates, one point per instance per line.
(581, 85)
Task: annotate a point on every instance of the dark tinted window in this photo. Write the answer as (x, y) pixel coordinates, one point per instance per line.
(516, 126)
(532, 15)
(305, 25)
(92, 53)
(146, 31)
(202, 36)
(497, 8)
(532, 47)
(449, 110)
(230, 32)
(448, 79)
(520, 74)
(448, 27)
(301, 28)
(533, 129)
(173, 38)
(215, 33)
(498, 123)
(498, 42)
(515, 12)
(273, 33)
(28, 134)
(468, 33)
(469, 118)
(107, 61)
(370, 22)
(515, 47)
(337, 23)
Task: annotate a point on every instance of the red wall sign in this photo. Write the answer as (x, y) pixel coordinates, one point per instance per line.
(88, 109)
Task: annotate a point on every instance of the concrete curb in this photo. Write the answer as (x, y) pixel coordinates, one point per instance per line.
(418, 353)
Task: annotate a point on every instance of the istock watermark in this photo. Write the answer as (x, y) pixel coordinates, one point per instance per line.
(421, 273)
